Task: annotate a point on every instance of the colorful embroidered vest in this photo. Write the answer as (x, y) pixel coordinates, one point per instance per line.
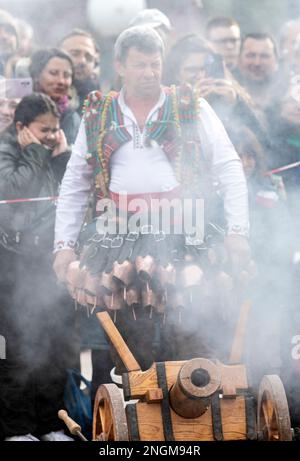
(175, 130)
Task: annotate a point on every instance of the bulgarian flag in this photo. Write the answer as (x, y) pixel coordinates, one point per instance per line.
(267, 198)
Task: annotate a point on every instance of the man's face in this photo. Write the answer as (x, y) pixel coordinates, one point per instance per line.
(7, 112)
(8, 40)
(83, 54)
(258, 60)
(141, 73)
(226, 41)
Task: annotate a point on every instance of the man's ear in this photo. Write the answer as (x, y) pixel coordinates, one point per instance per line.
(19, 126)
(119, 68)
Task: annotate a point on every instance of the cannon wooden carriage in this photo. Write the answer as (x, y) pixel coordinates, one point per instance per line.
(193, 400)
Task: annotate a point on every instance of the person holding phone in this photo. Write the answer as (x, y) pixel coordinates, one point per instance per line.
(192, 60)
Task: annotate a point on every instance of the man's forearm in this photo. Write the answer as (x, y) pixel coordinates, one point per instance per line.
(235, 193)
(72, 203)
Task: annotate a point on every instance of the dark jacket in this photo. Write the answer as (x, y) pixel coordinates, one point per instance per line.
(28, 173)
(83, 89)
(69, 123)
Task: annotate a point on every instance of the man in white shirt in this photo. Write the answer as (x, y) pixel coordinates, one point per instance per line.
(146, 142)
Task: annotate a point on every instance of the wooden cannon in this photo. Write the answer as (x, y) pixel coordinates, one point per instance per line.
(193, 400)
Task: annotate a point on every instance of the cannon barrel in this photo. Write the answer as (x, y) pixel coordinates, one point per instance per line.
(197, 380)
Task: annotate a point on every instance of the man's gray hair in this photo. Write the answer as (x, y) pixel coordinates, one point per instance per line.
(144, 38)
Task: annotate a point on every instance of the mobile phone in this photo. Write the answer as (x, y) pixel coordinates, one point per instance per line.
(214, 66)
(15, 88)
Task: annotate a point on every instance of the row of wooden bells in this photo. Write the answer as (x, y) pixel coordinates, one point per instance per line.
(117, 287)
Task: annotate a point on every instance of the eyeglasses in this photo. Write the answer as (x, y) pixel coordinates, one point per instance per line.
(225, 41)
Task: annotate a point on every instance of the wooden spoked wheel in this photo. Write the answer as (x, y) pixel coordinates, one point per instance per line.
(109, 419)
(273, 417)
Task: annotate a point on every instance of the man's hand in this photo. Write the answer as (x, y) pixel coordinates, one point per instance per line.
(61, 262)
(238, 251)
